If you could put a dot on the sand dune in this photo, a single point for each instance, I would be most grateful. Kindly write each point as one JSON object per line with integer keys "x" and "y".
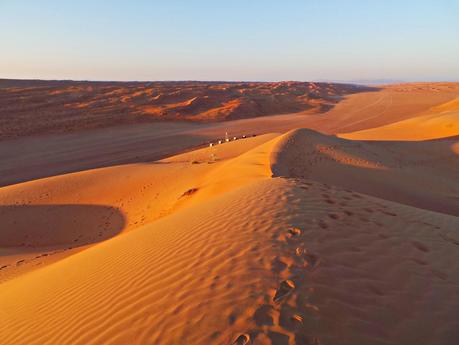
{"x": 300, "y": 238}
{"x": 74, "y": 106}
{"x": 32, "y": 157}
{"x": 392, "y": 103}
{"x": 421, "y": 174}
{"x": 439, "y": 122}
{"x": 59, "y": 215}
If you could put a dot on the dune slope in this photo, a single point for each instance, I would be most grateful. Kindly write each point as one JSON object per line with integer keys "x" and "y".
{"x": 294, "y": 259}
{"x": 421, "y": 174}
{"x": 47, "y": 219}
{"x": 439, "y": 122}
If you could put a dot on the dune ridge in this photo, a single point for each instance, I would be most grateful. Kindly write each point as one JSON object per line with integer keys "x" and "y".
{"x": 421, "y": 174}
{"x": 269, "y": 248}
{"x": 55, "y": 217}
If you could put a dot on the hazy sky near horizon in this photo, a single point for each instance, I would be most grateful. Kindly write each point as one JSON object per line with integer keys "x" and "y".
{"x": 230, "y": 40}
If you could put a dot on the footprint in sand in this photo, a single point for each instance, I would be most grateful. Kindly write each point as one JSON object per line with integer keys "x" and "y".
{"x": 285, "y": 288}
{"x": 277, "y": 265}
{"x": 297, "y": 318}
{"x": 264, "y": 315}
{"x": 311, "y": 261}
{"x": 294, "y": 232}
{"x": 242, "y": 339}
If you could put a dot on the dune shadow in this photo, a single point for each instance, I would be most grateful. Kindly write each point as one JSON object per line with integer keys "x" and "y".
{"x": 34, "y": 158}
{"x": 49, "y": 225}
{"x": 418, "y": 174}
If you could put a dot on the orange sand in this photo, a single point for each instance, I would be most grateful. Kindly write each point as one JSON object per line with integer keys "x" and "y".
{"x": 294, "y": 238}
{"x": 439, "y": 122}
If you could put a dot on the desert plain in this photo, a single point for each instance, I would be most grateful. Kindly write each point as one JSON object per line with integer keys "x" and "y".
{"x": 328, "y": 214}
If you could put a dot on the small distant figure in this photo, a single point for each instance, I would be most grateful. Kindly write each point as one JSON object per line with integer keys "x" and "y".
{"x": 226, "y": 137}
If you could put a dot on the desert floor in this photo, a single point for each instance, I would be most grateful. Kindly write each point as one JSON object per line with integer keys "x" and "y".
{"x": 331, "y": 228}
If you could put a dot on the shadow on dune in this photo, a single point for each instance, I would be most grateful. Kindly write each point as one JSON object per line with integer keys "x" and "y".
{"x": 421, "y": 174}
{"x": 34, "y": 158}
{"x": 49, "y": 225}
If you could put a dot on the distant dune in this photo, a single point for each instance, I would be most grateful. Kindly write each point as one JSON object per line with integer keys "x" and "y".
{"x": 37, "y": 107}
{"x": 437, "y": 122}
{"x": 82, "y": 147}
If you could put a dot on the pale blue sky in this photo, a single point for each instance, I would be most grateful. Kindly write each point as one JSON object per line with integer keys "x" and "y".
{"x": 230, "y": 40}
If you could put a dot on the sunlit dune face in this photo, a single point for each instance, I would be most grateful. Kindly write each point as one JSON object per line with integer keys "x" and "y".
{"x": 432, "y": 126}
{"x": 436, "y": 116}
{"x": 448, "y": 106}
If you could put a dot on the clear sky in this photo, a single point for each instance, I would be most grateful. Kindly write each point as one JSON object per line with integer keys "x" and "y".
{"x": 230, "y": 39}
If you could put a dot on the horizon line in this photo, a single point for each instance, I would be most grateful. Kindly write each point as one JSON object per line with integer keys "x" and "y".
{"x": 379, "y": 81}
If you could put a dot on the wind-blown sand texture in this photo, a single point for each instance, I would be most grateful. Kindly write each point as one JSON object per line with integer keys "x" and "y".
{"x": 284, "y": 238}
